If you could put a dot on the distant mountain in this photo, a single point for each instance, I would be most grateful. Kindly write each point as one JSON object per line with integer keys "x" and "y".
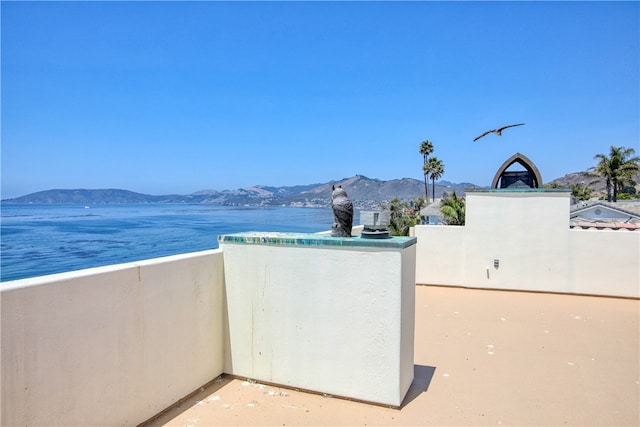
{"x": 368, "y": 192}
{"x": 595, "y": 183}
{"x": 364, "y": 191}
{"x": 89, "y": 197}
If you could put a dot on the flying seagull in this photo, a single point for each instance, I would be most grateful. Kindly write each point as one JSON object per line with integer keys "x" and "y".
{"x": 497, "y": 131}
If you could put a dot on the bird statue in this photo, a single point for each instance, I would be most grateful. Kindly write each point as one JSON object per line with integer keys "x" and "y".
{"x": 497, "y": 131}
{"x": 342, "y": 212}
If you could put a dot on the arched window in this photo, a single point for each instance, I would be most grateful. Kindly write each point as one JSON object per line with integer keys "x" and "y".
{"x": 529, "y": 178}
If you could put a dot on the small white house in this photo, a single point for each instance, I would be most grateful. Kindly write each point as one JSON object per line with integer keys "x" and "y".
{"x": 432, "y": 214}
{"x": 606, "y": 212}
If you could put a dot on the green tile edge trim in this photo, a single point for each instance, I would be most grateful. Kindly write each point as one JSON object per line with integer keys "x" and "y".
{"x": 315, "y": 240}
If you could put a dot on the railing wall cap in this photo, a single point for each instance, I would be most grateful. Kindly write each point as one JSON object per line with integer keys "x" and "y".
{"x": 315, "y": 240}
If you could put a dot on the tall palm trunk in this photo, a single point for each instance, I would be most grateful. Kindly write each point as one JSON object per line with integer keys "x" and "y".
{"x": 425, "y": 171}
{"x": 616, "y": 185}
{"x": 435, "y": 167}
{"x": 426, "y": 188}
{"x": 433, "y": 188}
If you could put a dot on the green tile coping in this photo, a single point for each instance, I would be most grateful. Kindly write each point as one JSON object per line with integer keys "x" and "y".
{"x": 315, "y": 240}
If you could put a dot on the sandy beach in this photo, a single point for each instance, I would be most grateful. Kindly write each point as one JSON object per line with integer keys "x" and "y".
{"x": 481, "y": 358}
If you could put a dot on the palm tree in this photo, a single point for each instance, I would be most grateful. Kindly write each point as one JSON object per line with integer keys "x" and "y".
{"x": 580, "y": 192}
{"x": 453, "y": 209}
{"x": 617, "y": 169}
{"x": 628, "y": 167}
{"x": 603, "y": 169}
{"x": 417, "y": 204}
{"x": 435, "y": 168}
{"x": 426, "y": 148}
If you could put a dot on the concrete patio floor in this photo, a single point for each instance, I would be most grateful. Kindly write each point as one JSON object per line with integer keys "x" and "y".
{"x": 481, "y": 358}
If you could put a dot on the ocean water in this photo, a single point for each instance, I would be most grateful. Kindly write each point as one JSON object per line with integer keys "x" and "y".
{"x": 44, "y": 239}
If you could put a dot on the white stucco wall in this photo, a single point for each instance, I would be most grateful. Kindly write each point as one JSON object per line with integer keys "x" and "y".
{"x": 332, "y": 320}
{"x": 111, "y": 345}
{"x": 528, "y": 233}
{"x": 604, "y": 262}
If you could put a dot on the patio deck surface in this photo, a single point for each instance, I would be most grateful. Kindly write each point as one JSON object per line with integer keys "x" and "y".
{"x": 481, "y": 358}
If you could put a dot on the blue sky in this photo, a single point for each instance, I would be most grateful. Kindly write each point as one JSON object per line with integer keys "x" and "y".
{"x": 171, "y": 97}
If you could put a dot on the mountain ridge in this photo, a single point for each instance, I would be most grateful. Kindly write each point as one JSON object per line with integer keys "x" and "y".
{"x": 365, "y": 192}
{"x": 362, "y": 190}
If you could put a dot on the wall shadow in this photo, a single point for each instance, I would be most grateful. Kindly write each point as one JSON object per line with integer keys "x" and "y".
{"x": 422, "y": 376}
{"x": 187, "y": 402}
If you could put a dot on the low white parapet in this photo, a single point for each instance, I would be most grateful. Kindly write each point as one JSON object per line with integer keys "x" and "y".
{"x": 326, "y": 314}
{"x": 113, "y": 345}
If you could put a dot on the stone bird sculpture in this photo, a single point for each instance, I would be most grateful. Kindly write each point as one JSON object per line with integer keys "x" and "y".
{"x": 497, "y": 131}
{"x": 342, "y": 213}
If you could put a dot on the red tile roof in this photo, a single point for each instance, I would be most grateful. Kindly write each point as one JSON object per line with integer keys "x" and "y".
{"x": 600, "y": 225}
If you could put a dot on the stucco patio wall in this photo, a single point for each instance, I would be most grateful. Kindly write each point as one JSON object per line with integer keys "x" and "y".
{"x": 521, "y": 240}
{"x": 330, "y": 315}
{"x": 111, "y": 345}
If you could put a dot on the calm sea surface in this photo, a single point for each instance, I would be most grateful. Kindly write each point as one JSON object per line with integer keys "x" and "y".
{"x": 47, "y": 239}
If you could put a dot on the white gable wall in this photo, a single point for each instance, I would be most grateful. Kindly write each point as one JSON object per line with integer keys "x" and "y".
{"x": 601, "y": 213}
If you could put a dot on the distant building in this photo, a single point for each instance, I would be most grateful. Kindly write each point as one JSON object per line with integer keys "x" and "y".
{"x": 606, "y": 215}
{"x": 432, "y": 214}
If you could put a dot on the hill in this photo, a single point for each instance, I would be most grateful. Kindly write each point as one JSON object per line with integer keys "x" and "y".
{"x": 89, "y": 197}
{"x": 364, "y": 191}
{"x": 596, "y": 184}
{"x": 368, "y": 192}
